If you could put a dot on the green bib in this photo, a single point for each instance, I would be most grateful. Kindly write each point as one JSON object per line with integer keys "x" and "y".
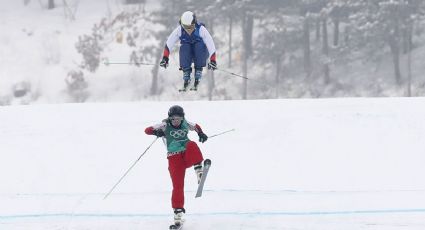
{"x": 176, "y": 137}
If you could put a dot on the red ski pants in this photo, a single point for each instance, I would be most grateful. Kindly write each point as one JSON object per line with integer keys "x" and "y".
{"x": 177, "y": 165}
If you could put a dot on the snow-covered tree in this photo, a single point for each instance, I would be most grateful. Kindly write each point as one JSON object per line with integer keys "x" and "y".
{"x": 383, "y": 23}
{"x": 280, "y": 36}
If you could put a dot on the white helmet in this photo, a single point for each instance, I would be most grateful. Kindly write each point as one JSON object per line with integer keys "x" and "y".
{"x": 188, "y": 18}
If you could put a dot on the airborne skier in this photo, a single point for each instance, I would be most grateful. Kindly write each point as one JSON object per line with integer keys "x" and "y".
{"x": 196, "y": 47}
{"x": 182, "y": 153}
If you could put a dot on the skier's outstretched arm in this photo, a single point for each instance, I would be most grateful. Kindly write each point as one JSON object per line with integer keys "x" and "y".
{"x": 197, "y": 128}
{"x": 171, "y": 41}
{"x": 208, "y": 40}
{"x": 157, "y": 130}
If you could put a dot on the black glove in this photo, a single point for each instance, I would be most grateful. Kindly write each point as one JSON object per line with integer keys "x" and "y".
{"x": 202, "y": 137}
{"x": 212, "y": 65}
{"x": 164, "y": 62}
{"x": 158, "y": 133}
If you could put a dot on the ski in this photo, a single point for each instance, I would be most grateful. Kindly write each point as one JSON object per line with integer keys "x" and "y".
{"x": 207, "y": 164}
{"x": 176, "y": 226}
{"x": 193, "y": 88}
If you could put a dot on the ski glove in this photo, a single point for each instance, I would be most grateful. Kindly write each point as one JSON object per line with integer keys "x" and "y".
{"x": 164, "y": 62}
{"x": 212, "y": 65}
{"x": 158, "y": 133}
{"x": 202, "y": 137}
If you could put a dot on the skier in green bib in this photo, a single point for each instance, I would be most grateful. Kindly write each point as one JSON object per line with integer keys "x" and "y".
{"x": 182, "y": 153}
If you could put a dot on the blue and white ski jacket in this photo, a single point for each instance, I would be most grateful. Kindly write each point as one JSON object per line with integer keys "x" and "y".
{"x": 199, "y": 34}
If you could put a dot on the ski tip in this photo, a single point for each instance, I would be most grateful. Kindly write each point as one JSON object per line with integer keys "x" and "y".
{"x": 207, "y": 162}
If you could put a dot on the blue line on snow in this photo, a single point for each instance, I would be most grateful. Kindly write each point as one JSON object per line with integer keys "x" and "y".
{"x": 282, "y": 191}
{"x": 252, "y": 214}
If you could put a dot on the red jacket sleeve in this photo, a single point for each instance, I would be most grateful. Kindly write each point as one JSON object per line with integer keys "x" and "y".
{"x": 212, "y": 58}
{"x": 166, "y": 52}
{"x": 198, "y": 128}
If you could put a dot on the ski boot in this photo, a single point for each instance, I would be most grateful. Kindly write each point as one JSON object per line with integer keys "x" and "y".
{"x": 186, "y": 78}
{"x": 198, "y": 75}
{"x": 198, "y": 171}
{"x": 178, "y": 221}
{"x": 186, "y": 84}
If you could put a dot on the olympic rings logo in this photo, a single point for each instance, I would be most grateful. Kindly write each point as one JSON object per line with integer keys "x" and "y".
{"x": 178, "y": 133}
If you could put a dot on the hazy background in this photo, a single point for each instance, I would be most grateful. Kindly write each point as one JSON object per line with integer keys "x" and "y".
{"x": 55, "y": 51}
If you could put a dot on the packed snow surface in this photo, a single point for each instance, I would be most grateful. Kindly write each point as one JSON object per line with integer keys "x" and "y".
{"x": 289, "y": 164}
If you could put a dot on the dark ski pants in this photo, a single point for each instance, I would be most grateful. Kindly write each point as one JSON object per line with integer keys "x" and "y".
{"x": 196, "y": 53}
{"x": 177, "y": 165}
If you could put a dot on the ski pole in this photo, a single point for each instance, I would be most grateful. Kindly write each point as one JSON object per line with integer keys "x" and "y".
{"x": 234, "y": 74}
{"x": 127, "y": 63}
{"x": 218, "y": 134}
{"x": 238, "y": 75}
{"x": 128, "y": 170}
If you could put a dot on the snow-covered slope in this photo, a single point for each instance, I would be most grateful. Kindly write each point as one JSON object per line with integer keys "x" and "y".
{"x": 289, "y": 164}
{"x": 37, "y": 47}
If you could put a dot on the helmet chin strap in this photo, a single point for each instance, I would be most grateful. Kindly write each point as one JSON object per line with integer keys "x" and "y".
{"x": 190, "y": 31}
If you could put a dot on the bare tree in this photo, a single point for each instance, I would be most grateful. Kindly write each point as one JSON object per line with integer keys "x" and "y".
{"x": 230, "y": 40}
{"x": 247, "y": 28}
{"x": 154, "y": 86}
{"x": 51, "y": 4}
{"x": 306, "y": 47}
{"x": 325, "y": 50}
{"x": 409, "y": 31}
{"x": 308, "y": 8}
{"x": 394, "y": 44}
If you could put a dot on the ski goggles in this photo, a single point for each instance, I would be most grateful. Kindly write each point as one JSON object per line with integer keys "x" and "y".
{"x": 176, "y": 118}
{"x": 189, "y": 27}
